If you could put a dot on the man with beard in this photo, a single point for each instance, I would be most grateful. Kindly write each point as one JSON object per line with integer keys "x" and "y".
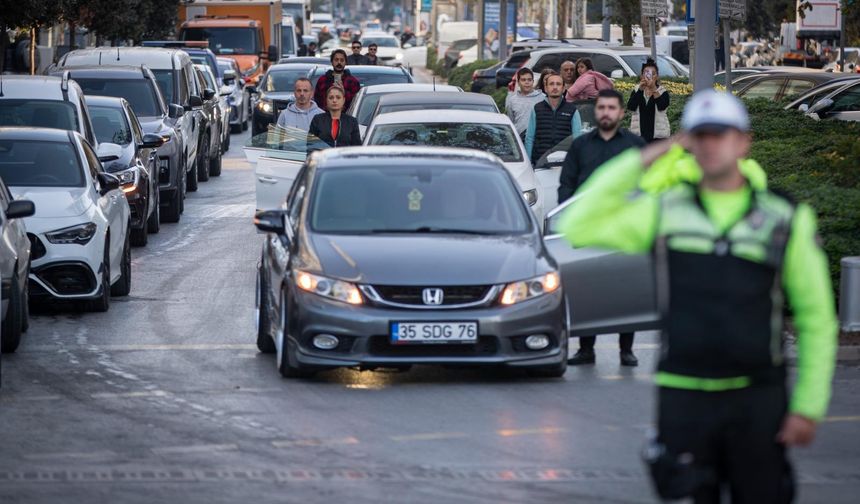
{"x": 586, "y": 154}
{"x": 552, "y": 119}
{"x": 337, "y": 75}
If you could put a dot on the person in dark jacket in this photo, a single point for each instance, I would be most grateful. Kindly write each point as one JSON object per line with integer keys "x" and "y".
{"x": 334, "y": 127}
{"x": 356, "y": 58}
{"x": 552, "y": 120}
{"x": 372, "y": 58}
{"x": 649, "y": 103}
{"x": 337, "y": 75}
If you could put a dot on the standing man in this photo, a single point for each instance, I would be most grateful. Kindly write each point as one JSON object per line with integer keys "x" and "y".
{"x": 586, "y": 153}
{"x": 299, "y": 113}
{"x": 568, "y": 74}
{"x": 340, "y": 75}
{"x": 371, "y": 57}
{"x": 520, "y": 104}
{"x": 356, "y": 58}
{"x": 407, "y": 36}
{"x": 727, "y": 252}
{"x": 552, "y": 120}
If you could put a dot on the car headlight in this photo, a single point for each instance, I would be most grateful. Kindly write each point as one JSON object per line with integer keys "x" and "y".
{"x": 80, "y": 234}
{"x": 127, "y": 179}
{"x": 166, "y": 137}
{"x": 329, "y": 288}
{"x": 398, "y": 56}
{"x": 264, "y": 106}
{"x": 530, "y": 196}
{"x": 520, "y": 291}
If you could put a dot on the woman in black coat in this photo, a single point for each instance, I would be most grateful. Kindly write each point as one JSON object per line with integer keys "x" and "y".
{"x": 334, "y": 127}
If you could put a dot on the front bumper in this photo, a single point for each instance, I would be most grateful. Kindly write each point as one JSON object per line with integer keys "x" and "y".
{"x": 169, "y": 162}
{"x": 364, "y": 334}
{"x": 137, "y": 208}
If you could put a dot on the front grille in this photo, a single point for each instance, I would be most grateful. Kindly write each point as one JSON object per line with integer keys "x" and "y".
{"x": 451, "y": 295}
{"x": 68, "y": 278}
{"x": 382, "y": 346}
{"x": 163, "y": 170}
{"x": 37, "y": 248}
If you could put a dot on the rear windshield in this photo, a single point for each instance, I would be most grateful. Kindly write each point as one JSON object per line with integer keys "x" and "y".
{"x": 380, "y": 41}
{"x": 283, "y": 80}
{"x": 498, "y": 139}
{"x": 363, "y": 200}
{"x": 165, "y": 83}
{"x": 370, "y": 78}
{"x": 431, "y": 106}
{"x": 138, "y": 92}
{"x": 28, "y": 163}
{"x": 225, "y": 40}
{"x": 39, "y": 114}
{"x": 110, "y": 125}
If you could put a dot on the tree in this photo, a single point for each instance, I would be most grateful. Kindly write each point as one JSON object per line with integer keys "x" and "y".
{"x": 29, "y": 14}
{"x": 114, "y": 20}
{"x": 626, "y": 13}
{"x": 159, "y": 18}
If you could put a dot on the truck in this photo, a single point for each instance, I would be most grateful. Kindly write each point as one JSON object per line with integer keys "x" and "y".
{"x": 300, "y": 10}
{"x": 813, "y": 36}
{"x": 248, "y": 31}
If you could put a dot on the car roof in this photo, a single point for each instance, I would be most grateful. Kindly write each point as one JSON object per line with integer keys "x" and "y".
{"x": 160, "y": 58}
{"x": 295, "y": 67}
{"x": 365, "y": 69}
{"x": 104, "y": 72}
{"x": 812, "y": 76}
{"x": 404, "y": 157}
{"x": 626, "y": 50}
{"x": 104, "y": 101}
{"x": 225, "y": 22}
{"x": 32, "y": 86}
{"x": 441, "y": 115}
{"x": 403, "y": 87}
{"x": 431, "y": 97}
{"x": 304, "y": 59}
{"x": 38, "y": 134}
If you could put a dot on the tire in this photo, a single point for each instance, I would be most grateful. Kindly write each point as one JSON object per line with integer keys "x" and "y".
{"x": 287, "y": 369}
{"x": 25, "y": 303}
{"x": 191, "y": 177}
{"x": 102, "y": 303}
{"x": 139, "y": 237}
{"x": 204, "y": 168}
{"x": 215, "y": 165}
{"x": 265, "y": 343}
{"x": 153, "y": 224}
{"x": 225, "y": 143}
{"x": 235, "y": 128}
{"x": 174, "y": 207}
{"x": 122, "y": 287}
{"x": 10, "y": 338}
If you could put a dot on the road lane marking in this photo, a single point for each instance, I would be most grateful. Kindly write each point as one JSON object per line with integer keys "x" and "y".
{"x": 842, "y": 419}
{"x": 315, "y": 442}
{"x": 529, "y": 432}
{"x": 72, "y": 455}
{"x": 430, "y": 436}
{"x": 143, "y": 393}
{"x": 42, "y": 398}
{"x": 173, "y": 450}
{"x": 152, "y": 347}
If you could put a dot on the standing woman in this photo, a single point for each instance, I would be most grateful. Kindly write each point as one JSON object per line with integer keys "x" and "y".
{"x": 334, "y": 127}
{"x": 648, "y": 103}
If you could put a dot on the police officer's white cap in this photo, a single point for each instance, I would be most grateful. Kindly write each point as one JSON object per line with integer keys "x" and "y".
{"x": 715, "y": 111}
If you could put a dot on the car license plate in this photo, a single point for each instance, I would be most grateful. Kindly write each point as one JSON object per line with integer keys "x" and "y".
{"x": 433, "y": 332}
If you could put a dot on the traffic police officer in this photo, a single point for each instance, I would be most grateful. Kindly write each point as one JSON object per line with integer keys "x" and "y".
{"x": 727, "y": 252}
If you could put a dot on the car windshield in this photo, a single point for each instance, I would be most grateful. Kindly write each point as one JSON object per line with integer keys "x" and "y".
{"x": 110, "y": 125}
{"x": 481, "y": 107}
{"x": 38, "y": 114}
{"x": 139, "y": 93}
{"x": 422, "y": 199}
{"x": 283, "y": 81}
{"x": 664, "y": 67}
{"x": 225, "y": 40}
{"x": 498, "y": 139}
{"x": 380, "y": 41}
{"x": 39, "y": 163}
{"x": 369, "y": 78}
{"x": 164, "y": 78}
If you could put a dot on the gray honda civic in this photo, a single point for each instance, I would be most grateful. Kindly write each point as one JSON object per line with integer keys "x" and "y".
{"x": 387, "y": 257}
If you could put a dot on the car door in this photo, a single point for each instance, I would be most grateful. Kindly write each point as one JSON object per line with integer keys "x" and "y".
{"x": 768, "y": 88}
{"x": 277, "y": 158}
{"x": 15, "y": 236}
{"x": 114, "y": 208}
{"x": 145, "y": 158}
{"x": 190, "y": 126}
{"x": 606, "y": 291}
{"x": 846, "y": 104}
{"x": 548, "y": 172}
{"x": 279, "y": 249}
{"x": 8, "y": 251}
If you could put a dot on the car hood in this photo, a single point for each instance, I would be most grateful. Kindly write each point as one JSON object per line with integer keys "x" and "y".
{"x": 52, "y": 202}
{"x": 425, "y": 260}
{"x": 126, "y": 160}
{"x": 523, "y": 174}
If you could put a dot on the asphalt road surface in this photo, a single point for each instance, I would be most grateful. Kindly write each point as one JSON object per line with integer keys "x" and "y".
{"x": 165, "y": 399}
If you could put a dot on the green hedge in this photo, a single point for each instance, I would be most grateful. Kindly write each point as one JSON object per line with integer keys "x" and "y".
{"x": 462, "y": 75}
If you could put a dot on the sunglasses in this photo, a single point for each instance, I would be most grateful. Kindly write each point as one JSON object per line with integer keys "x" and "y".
{"x": 372, "y": 49}
{"x": 356, "y": 47}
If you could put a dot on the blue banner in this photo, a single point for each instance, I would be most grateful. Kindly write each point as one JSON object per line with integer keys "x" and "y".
{"x": 490, "y": 41}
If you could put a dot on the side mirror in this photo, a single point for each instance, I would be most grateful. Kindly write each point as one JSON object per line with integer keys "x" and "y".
{"x": 556, "y": 158}
{"x": 408, "y": 46}
{"x": 175, "y": 111}
{"x": 152, "y": 141}
{"x": 18, "y": 209}
{"x": 229, "y": 77}
{"x": 208, "y": 94}
{"x": 803, "y": 108}
{"x": 194, "y": 102}
{"x": 617, "y": 74}
{"x": 271, "y": 221}
{"x": 272, "y": 53}
{"x": 821, "y": 107}
{"x": 108, "y": 152}
{"x": 108, "y": 183}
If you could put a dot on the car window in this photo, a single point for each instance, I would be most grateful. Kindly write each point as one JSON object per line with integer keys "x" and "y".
{"x": 40, "y": 163}
{"x": 283, "y": 81}
{"x": 139, "y": 93}
{"x": 813, "y": 97}
{"x": 38, "y": 114}
{"x": 605, "y": 64}
{"x": 110, "y": 125}
{"x": 93, "y": 163}
{"x": 767, "y": 88}
{"x": 186, "y": 86}
{"x": 366, "y": 108}
{"x": 136, "y": 129}
{"x": 208, "y": 80}
{"x": 164, "y": 78}
{"x": 796, "y": 87}
{"x": 296, "y": 199}
{"x": 498, "y": 139}
{"x": 848, "y": 100}
{"x": 517, "y": 59}
{"x": 361, "y": 199}
{"x": 85, "y": 118}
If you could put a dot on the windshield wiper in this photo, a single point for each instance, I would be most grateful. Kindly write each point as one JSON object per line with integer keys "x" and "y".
{"x": 433, "y": 230}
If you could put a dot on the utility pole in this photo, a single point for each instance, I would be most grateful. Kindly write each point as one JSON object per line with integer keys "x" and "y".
{"x": 503, "y": 30}
{"x": 606, "y": 34}
{"x": 706, "y": 23}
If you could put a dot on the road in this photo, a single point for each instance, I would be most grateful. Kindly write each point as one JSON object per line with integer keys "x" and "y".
{"x": 165, "y": 399}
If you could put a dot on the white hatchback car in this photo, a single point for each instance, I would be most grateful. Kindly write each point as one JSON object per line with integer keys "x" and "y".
{"x": 484, "y": 131}
{"x": 80, "y": 232}
{"x": 388, "y": 48}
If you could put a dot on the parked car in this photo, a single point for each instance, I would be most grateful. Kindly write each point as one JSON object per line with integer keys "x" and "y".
{"x": 388, "y": 50}
{"x": 213, "y": 132}
{"x": 238, "y": 99}
{"x": 79, "y": 234}
{"x": 174, "y": 72}
{"x": 138, "y": 85}
{"x": 198, "y": 51}
{"x": 45, "y": 102}
{"x": 484, "y": 131}
{"x": 521, "y": 51}
{"x": 499, "y": 304}
{"x": 401, "y": 102}
{"x": 614, "y": 62}
{"x": 14, "y": 265}
{"x": 367, "y": 75}
{"x": 778, "y": 85}
{"x": 835, "y": 100}
{"x": 485, "y": 77}
{"x": 456, "y": 52}
{"x": 364, "y": 102}
{"x": 137, "y": 167}
{"x": 275, "y": 92}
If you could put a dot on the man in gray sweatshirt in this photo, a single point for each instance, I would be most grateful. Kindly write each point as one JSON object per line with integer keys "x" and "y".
{"x": 520, "y": 104}
{"x": 299, "y": 113}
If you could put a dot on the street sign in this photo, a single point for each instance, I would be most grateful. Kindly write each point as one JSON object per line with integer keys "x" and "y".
{"x": 734, "y": 10}
{"x": 654, "y": 8}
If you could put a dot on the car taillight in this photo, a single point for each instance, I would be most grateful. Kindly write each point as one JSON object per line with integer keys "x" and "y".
{"x": 475, "y": 75}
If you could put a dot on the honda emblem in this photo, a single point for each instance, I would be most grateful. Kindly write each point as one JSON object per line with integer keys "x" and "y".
{"x": 433, "y": 296}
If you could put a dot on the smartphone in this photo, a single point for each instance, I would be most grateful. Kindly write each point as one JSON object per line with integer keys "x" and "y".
{"x": 649, "y": 74}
